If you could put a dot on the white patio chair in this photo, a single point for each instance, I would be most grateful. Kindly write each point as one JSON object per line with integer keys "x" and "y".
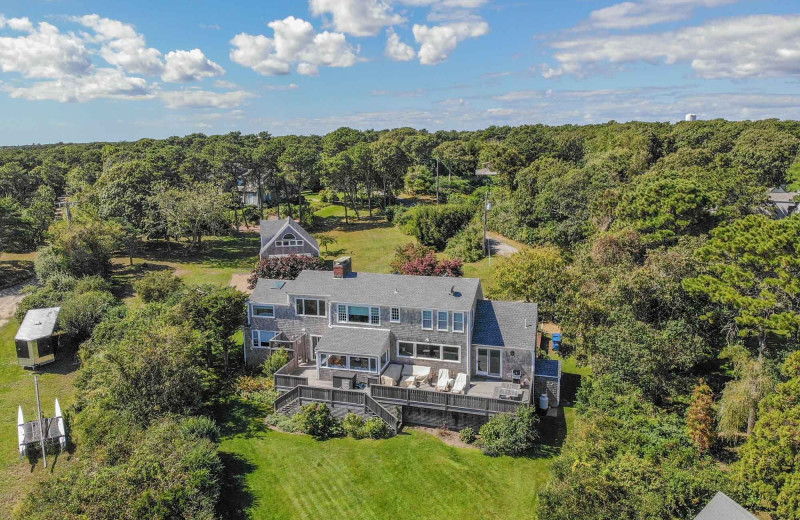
{"x": 460, "y": 384}
{"x": 443, "y": 382}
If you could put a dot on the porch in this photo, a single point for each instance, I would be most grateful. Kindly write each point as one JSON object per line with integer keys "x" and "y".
{"x": 481, "y": 395}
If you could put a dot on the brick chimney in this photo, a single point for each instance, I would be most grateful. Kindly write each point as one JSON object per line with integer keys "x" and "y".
{"x": 342, "y": 267}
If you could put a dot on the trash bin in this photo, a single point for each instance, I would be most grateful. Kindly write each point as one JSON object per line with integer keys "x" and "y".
{"x": 544, "y": 402}
{"x": 556, "y": 341}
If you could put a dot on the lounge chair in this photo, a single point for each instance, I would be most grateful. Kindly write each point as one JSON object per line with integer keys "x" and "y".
{"x": 460, "y": 384}
{"x": 413, "y": 374}
{"x": 443, "y": 382}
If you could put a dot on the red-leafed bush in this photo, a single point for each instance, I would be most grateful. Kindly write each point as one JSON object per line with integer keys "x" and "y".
{"x": 284, "y": 267}
{"x": 428, "y": 265}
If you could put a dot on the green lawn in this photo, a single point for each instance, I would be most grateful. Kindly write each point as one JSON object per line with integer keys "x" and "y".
{"x": 412, "y": 476}
{"x": 16, "y": 388}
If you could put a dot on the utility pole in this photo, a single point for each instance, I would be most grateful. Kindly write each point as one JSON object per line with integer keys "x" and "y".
{"x": 485, "y": 206}
{"x": 39, "y": 412}
{"x": 437, "y": 181}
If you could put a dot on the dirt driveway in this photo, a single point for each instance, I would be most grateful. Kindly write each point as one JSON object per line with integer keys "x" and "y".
{"x": 9, "y": 299}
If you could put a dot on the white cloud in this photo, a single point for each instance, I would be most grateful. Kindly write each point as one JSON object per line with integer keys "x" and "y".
{"x": 204, "y": 99}
{"x": 742, "y": 47}
{"x": 186, "y": 66}
{"x": 221, "y": 83}
{"x": 357, "y": 17}
{"x": 290, "y": 86}
{"x": 123, "y": 46}
{"x": 628, "y": 15}
{"x": 44, "y": 52}
{"x": 294, "y": 42}
{"x": 102, "y": 83}
{"x": 464, "y": 4}
{"x": 439, "y": 41}
{"x": 397, "y": 50}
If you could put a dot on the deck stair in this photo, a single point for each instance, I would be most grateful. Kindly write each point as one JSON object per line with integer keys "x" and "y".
{"x": 341, "y": 402}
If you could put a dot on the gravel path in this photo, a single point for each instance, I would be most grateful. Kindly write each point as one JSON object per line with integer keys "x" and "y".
{"x": 499, "y": 247}
{"x": 9, "y": 298}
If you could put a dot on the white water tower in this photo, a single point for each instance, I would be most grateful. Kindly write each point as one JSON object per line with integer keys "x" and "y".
{"x": 691, "y": 117}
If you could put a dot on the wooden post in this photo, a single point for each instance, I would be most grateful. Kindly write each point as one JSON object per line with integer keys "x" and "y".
{"x": 39, "y": 411}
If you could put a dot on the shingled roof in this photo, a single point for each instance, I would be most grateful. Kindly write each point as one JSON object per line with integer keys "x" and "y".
{"x": 355, "y": 341}
{"x": 505, "y": 324}
{"x": 722, "y": 507}
{"x": 270, "y": 228}
{"x": 388, "y": 290}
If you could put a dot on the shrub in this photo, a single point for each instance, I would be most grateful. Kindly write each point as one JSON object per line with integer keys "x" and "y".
{"x": 408, "y": 252}
{"x": 375, "y": 428}
{"x": 284, "y": 267}
{"x": 430, "y": 266}
{"x": 82, "y": 312}
{"x": 283, "y": 422}
{"x": 258, "y": 390}
{"x": 435, "y": 225}
{"x": 467, "y": 435}
{"x": 394, "y": 214}
{"x": 353, "y": 425}
{"x": 315, "y": 419}
{"x": 157, "y": 286}
{"x": 467, "y": 244}
{"x": 200, "y": 427}
{"x": 328, "y": 195}
{"x": 510, "y": 434}
{"x": 418, "y": 180}
{"x": 275, "y": 361}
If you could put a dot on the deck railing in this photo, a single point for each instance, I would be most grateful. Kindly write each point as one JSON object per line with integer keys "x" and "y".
{"x": 283, "y": 377}
{"x": 339, "y": 396}
{"x": 442, "y": 400}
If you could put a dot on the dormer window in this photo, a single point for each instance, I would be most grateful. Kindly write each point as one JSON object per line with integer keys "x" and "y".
{"x": 288, "y": 240}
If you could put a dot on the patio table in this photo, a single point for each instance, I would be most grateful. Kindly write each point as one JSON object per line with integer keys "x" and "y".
{"x": 509, "y": 390}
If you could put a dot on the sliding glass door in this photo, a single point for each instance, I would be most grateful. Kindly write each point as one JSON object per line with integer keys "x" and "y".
{"x": 489, "y": 363}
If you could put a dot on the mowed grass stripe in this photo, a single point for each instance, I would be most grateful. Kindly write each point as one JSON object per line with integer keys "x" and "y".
{"x": 411, "y": 476}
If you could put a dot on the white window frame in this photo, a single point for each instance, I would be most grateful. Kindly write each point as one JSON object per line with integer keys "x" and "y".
{"x": 413, "y": 349}
{"x": 463, "y": 319}
{"x": 391, "y": 315}
{"x": 261, "y": 306}
{"x": 489, "y": 361}
{"x": 371, "y": 313}
{"x": 446, "y": 321}
{"x": 372, "y": 361}
{"x": 258, "y": 332}
{"x": 425, "y": 358}
{"x": 422, "y": 320}
{"x": 289, "y": 242}
{"x": 321, "y": 304}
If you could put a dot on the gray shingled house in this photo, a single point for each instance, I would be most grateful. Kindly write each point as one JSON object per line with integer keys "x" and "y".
{"x": 286, "y": 237}
{"x": 432, "y": 347}
{"x": 782, "y": 202}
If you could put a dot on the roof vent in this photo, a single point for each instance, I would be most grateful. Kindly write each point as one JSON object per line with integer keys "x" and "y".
{"x": 395, "y": 290}
{"x": 452, "y": 290}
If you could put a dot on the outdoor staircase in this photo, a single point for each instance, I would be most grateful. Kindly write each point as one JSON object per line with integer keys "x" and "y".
{"x": 340, "y": 402}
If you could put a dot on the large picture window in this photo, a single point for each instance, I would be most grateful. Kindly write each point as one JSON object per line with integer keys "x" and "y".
{"x": 429, "y": 351}
{"x": 309, "y": 307}
{"x": 357, "y": 363}
{"x": 405, "y": 349}
{"x": 261, "y": 338}
{"x": 358, "y": 314}
{"x": 264, "y": 311}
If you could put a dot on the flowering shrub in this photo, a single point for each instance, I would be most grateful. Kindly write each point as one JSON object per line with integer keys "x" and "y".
{"x": 284, "y": 267}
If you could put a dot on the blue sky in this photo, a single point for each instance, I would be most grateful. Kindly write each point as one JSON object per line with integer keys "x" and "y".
{"x": 78, "y": 71}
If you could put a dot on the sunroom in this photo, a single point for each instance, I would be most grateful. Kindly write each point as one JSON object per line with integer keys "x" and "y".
{"x": 354, "y": 355}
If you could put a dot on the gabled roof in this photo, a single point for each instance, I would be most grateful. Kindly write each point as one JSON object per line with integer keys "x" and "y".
{"x": 722, "y": 507}
{"x": 272, "y": 229}
{"x": 505, "y": 324}
{"x": 38, "y": 323}
{"x": 398, "y": 290}
{"x": 355, "y": 341}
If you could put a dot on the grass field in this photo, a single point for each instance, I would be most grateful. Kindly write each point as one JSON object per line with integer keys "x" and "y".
{"x": 412, "y": 476}
{"x": 16, "y": 388}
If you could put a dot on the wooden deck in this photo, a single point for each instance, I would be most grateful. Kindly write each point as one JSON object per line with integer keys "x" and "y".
{"x": 478, "y": 387}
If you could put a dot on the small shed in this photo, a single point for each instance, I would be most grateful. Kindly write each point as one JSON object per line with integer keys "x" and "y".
{"x": 34, "y": 340}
